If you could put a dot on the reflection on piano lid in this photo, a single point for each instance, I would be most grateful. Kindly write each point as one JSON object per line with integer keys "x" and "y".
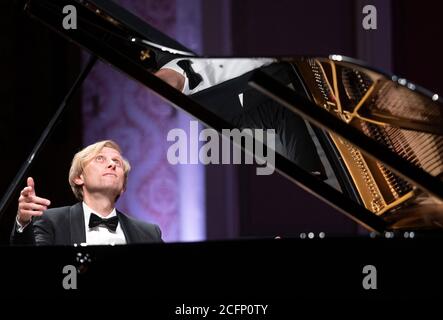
{"x": 390, "y": 113}
{"x": 393, "y": 114}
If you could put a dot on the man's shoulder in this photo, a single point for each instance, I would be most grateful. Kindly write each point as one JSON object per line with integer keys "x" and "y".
{"x": 149, "y": 232}
{"x": 58, "y": 212}
{"x": 138, "y": 223}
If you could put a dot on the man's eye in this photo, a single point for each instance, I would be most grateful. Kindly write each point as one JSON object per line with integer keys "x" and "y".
{"x": 118, "y": 163}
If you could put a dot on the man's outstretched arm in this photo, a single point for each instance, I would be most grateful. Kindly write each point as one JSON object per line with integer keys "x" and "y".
{"x": 30, "y": 206}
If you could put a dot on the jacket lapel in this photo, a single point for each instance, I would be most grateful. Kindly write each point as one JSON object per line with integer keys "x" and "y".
{"x": 127, "y": 227}
{"x": 77, "y": 224}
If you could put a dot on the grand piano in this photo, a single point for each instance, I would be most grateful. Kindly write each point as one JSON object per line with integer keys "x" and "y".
{"x": 379, "y": 139}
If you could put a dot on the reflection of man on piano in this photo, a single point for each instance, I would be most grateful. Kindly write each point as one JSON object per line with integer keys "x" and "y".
{"x": 222, "y": 86}
{"x": 98, "y": 176}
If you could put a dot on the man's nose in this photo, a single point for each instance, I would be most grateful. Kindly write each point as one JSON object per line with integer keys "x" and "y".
{"x": 112, "y": 164}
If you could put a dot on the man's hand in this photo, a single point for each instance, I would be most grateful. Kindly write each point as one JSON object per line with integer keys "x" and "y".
{"x": 29, "y": 204}
{"x": 173, "y": 78}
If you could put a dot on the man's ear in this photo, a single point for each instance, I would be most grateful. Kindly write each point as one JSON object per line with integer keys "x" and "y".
{"x": 79, "y": 180}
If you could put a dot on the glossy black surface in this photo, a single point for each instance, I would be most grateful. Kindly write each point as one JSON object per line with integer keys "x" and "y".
{"x": 118, "y": 37}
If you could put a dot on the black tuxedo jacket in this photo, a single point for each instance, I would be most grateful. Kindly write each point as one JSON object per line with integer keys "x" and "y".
{"x": 66, "y": 226}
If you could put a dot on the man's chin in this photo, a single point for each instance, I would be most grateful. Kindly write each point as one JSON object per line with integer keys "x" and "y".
{"x": 112, "y": 190}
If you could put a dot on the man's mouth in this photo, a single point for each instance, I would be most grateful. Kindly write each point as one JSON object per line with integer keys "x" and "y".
{"x": 110, "y": 174}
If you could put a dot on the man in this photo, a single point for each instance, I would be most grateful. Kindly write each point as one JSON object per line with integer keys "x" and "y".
{"x": 98, "y": 176}
{"x": 222, "y": 85}
{"x": 193, "y": 75}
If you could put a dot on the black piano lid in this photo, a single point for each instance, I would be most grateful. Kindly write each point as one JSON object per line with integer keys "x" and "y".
{"x": 109, "y": 8}
{"x": 110, "y": 40}
{"x": 135, "y": 23}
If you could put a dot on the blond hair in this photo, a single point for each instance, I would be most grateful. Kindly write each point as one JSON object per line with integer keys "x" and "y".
{"x": 82, "y": 157}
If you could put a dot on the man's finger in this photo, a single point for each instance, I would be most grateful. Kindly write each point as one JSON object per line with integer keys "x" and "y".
{"x": 33, "y": 213}
{"x": 33, "y": 206}
{"x": 30, "y": 183}
{"x": 25, "y": 192}
{"x": 38, "y": 200}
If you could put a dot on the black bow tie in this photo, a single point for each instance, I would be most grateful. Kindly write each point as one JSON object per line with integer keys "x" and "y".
{"x": 110, "y": 223}
{"x": 193, "y": 77}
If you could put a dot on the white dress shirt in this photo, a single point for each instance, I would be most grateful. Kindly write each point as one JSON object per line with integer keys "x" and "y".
{"x": 217, "y": 70}
{"x": 102, "y": 235}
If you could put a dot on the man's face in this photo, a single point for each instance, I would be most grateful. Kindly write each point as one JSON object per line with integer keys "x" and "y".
{"x": 103, "y": 174}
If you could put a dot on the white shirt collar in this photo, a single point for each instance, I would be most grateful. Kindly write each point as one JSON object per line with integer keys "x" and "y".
{"x": 87, "y": 212}
{"x": 102, "y": 236}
